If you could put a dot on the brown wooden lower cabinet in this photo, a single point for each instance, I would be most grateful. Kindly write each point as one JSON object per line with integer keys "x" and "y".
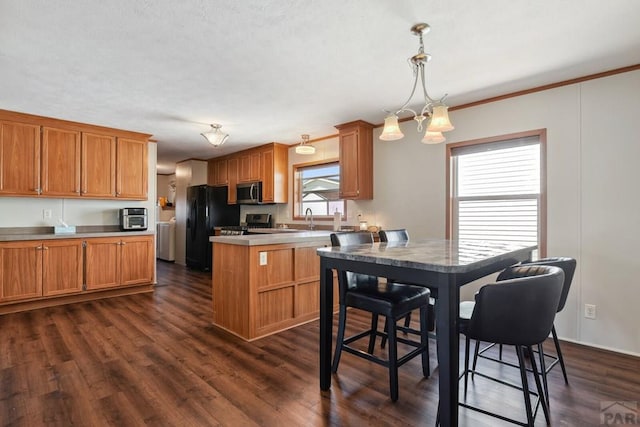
{"x": 33, "y": 269}
{"x": 118, "y": 261}
{"x": 260, "y": 290}
{"x": 36, "y": 272}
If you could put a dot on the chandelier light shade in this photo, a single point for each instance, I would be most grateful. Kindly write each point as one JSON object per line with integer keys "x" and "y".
{"x": 304, "y": 147}
{"x": 440, "y": 120}
{"x": 435, "y": 109}
{"x": 215, "y": 136}
{"x": 433, "y": 137}
{"x": 391, "y": 130}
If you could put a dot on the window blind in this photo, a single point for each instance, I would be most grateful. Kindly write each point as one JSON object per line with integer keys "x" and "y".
{"x": 496, "y": 191}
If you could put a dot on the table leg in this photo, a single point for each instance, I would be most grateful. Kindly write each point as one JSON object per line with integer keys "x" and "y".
{"x": 448, "y": 348}
{"x": 326, "y": 324}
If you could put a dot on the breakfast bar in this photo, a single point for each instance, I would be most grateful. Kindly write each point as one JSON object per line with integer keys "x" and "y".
{"x": 442, "y": 265}
{"x": 265, "y": 283}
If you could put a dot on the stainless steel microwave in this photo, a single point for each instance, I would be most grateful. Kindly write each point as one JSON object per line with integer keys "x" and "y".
{"x": 249, "y": 193}
{"x": 133, "y": 219}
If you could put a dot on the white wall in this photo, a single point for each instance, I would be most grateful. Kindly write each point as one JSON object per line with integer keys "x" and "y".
{"x": 593, "y": 147}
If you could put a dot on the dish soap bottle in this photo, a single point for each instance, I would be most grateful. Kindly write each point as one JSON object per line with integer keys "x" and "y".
{"x": 337, "y": 217}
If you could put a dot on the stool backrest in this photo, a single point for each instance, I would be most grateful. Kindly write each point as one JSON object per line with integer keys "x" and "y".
{"x": 347, "y": 279}
{"x": 568, "y": 265}
{"x": 399, "y": 235}
{"x": 519, "y": 310}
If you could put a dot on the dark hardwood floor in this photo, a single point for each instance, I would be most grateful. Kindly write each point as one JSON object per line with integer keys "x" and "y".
{"x": 155, "y": 359}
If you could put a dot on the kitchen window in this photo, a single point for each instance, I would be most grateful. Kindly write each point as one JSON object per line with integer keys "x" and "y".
{"x": 317, "y": 186}
{"x": 496, "y": 189}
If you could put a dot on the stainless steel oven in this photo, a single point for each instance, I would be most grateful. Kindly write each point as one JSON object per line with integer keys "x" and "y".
{"x": 133, "y": 219}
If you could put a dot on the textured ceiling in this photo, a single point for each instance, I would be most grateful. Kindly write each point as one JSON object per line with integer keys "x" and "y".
{"x": 270, "y": 70}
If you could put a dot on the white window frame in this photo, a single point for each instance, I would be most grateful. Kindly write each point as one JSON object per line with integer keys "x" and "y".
{"x": 452, "y": 199}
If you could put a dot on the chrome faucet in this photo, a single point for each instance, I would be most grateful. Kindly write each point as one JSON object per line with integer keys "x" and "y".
{"x": 308, "y": 214}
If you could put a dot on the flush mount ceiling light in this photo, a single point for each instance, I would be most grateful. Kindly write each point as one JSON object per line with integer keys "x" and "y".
{"x": 215, "y": 136}
{"x": 434, "y": 109}
{"x": 304, "y": 147}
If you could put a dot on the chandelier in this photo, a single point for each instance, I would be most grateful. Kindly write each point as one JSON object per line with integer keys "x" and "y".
{"x": 434, "y": 109}
{"x": 215, "y": 136}
{"x": 304, "y": 147}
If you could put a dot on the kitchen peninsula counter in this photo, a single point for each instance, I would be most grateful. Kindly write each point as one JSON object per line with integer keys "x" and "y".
{"x": 274, "y": 236}
{"x": 266, "y": 283}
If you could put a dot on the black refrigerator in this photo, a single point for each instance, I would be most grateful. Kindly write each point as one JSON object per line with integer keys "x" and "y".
{"x": 207, "y": 208}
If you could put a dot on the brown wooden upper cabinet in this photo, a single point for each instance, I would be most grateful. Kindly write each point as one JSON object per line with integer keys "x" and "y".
{"x": 46, "y": 157}
{"x": 274, "y": 177}
{"x": 19, "y": 159}
{"x": 60, "y": 162}
{"x": 250, "y": 167}
{"x": 232, "y": 173}
{"x": 217, "y": 172}
{"x": 356, "y": 160}
{"x": 131, "y": 169}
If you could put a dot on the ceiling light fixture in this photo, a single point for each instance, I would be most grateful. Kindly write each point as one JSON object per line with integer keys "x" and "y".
{"x": 304, "y": 147}
{"x": 434, "y": 109}
{"x": 215, "y": 136}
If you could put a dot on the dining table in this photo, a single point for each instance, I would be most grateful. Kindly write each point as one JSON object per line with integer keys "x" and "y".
{"x": 439, "y": 264}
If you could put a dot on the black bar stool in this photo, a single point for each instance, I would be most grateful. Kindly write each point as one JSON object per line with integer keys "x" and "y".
{"x": 391, "y": 300}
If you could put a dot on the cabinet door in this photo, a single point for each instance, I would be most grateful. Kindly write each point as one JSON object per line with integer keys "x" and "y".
{"x": 136, "y": 260}
{"x": 102, "y": 263}
{"x": 98, "y": 166}
{"x": 222, "y": 177}
{"x": 250, "y": 168}
{"x": 256, "y": 166}
{"x": 61, "y": 267}
{"x": 131, "y": 169}
{"x": 232, "y": 175}
{"x": 267, "y": 176}
{"x": 349, "y": 177}
{"x": 20, "y": 270}
{"x": 19, "y": 158}
{"x": 60, "y": 162}
{"x": 211, "y": 172}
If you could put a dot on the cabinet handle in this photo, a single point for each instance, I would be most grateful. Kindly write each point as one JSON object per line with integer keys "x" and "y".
{"x": 46, "y": 248}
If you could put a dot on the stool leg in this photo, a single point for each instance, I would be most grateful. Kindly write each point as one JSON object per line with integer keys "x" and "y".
{"x": 383, "y": 340}
{"x": 467, "y": 343}
{"x": 407, "y": 321}
{"x": 475, "y": 358}
{"x": 543, "y": 372}
{"x": 374, "y": 330}
{"x": 342, "y": 320}
{"x": 559, "y": 353}
{"x": 393, "y": 360}
{"x": 525, "y": 385}
{"x": 541, "y": 392}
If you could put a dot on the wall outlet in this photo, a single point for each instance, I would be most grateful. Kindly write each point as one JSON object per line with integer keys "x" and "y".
{"x": 263, "y": 258}
{"x": 590, "y": 311}
{"x": 46, "y": 213}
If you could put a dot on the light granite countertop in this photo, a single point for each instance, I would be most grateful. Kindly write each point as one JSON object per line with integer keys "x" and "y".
{"x": 274, "y": 238}
{"x": 11, "y": 234}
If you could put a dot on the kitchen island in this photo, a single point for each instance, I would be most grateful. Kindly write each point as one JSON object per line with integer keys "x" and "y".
{"x": 266, "y": 283}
